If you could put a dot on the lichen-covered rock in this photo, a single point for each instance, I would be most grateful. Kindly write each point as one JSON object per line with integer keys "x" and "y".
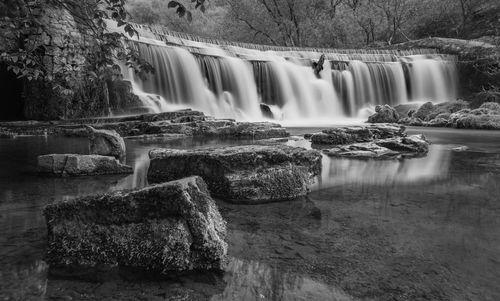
{"x": 438, "y": 122}
{"x": 384, "y": 114}
{"x": 356, "y": 134}
{"x": 411, "y": 121}
{"x": 429, "y": 111}
{"x": 80, "y": 165}
{"x": 391, "y": 148}
{"x": 367, "y": 150}
{"x": 415, "y": 144}
{"x": 252, "y": 173}
{"x": 492, "y": 107}
{"x": 487, "y": 116}
{"x": 424, "y": 111}
{"x": 106, "y": 143}
{"x": 173, "y": 226}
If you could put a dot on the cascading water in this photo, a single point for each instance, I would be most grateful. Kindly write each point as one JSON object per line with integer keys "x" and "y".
{"x": 232, "y": 80}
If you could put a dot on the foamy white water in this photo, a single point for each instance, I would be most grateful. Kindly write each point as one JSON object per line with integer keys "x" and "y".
{"x": 233, "y": 81}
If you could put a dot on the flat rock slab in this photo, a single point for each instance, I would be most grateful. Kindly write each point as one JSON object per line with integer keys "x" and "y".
{"x": 247, "y": 174}
{"x": 357, "y": 134}
{"x": 183, "y": 122}
{"x": 391, "y": 148}
{"x": 173, "y": 226}
{"x": 81, "y": 165}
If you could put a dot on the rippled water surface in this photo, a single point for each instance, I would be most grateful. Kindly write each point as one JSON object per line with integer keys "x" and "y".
{"x": 419, "y": 229}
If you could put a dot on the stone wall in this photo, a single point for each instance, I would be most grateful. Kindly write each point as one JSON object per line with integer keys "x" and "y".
{"x": 65, "y": 47}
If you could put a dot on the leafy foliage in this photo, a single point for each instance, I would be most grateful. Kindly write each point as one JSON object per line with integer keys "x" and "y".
{"x": 26, "y": 59}
{"x": 183, "y": 11}
{"x": 326, "y": 23}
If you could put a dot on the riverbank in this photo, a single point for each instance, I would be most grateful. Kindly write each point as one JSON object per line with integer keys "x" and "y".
{"x": 454, "y": 114}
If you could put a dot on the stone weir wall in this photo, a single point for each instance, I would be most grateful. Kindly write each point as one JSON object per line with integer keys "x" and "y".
{"x": 64, "y": 45}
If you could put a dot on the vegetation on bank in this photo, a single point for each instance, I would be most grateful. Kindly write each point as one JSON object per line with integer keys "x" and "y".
{"x": 25, "y": 57}
{"x": 326, "y": 23}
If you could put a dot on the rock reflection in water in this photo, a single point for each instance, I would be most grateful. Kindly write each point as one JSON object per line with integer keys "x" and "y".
{"x": 251, "y": 280}
{"x": 24, "y": 282}
{"x": 433, "y": 167}
{"x": 139, "y": 178}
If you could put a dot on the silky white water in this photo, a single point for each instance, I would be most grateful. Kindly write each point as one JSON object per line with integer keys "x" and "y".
{"x": 233, "y": 81}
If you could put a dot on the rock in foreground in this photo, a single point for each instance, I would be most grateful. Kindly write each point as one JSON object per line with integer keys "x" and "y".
{"x": 80, "y": 165}
{"x": 249, "y": 174}
{"x": 174, "y": 226}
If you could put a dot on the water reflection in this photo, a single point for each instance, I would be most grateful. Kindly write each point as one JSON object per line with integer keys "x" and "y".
{"x": 24, "y": 282}
{"x": 433, "y": 167}
{"x": 252, "y": 280}
{"x": 443, "y": 208}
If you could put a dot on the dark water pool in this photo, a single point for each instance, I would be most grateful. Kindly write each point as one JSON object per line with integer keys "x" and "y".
{"x": 420, "y": 229}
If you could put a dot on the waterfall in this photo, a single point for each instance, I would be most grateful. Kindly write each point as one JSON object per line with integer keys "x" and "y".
{"x": 231, "y": 80}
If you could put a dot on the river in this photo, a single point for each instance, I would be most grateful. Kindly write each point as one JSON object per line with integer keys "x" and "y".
{"x": 419, "y": 229}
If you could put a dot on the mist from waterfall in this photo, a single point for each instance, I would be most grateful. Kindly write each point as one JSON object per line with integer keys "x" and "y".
{"x": 230, "y": 81}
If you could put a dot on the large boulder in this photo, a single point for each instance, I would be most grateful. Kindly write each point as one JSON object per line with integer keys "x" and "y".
{"x": 106, "y": 143}
{"x": 384, "y": 114}
{"x": 173, "y": 226}
{"x": 391, "y": 148}
{"x": 249, "y": 174}
{"x": 357, "y": 134}
{"x": 424, "y": 111}
{"x": 80, "y": 165}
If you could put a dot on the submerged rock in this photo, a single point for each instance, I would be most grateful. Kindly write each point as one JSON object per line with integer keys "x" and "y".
{"x": 357, "y": 134}
{"x": 252, "y": 173}
{"x": 106, "y": 143}
{"x": 173, "y": 226}
{"x": 384, "y": 114}
{"x": 80, "y": 165}
{"x": 391, "y": 148}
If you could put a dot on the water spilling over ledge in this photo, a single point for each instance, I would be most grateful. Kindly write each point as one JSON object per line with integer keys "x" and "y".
{"x": 227, "y": 79}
